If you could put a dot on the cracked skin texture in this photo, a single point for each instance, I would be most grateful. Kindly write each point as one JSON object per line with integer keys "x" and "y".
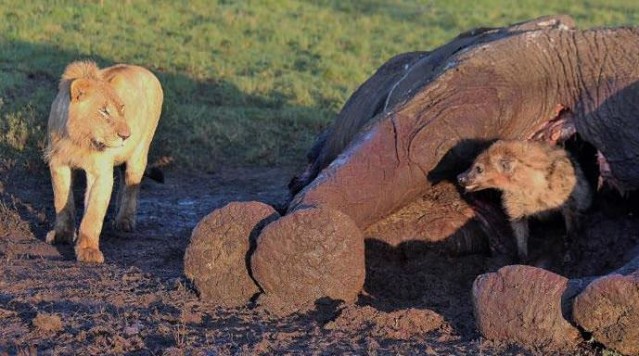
{"x": 308, "y": 255}
{"x": 609, "y": 309}
{"x": 216, "y": 258}
{"x": 523, "y": 304}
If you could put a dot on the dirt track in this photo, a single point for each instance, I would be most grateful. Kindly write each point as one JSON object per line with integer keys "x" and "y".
{"x": 139, "y": 301}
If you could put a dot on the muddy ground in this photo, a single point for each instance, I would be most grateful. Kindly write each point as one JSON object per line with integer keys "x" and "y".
{"x": 139, "y": 302}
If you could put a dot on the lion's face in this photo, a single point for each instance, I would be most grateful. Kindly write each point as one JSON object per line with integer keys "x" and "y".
{"x": 96, "y": 115}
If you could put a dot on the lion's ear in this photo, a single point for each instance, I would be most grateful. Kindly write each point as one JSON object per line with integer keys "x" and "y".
{"x": 79, "y": 88}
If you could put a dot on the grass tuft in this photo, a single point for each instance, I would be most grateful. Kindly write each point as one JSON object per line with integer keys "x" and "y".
{"x": 245, "y": 82}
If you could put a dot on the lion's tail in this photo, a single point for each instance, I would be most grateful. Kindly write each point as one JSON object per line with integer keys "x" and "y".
{"x": 154, "y": 173}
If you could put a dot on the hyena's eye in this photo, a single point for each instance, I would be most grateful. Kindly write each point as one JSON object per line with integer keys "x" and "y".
{"x": 479, "y": 169}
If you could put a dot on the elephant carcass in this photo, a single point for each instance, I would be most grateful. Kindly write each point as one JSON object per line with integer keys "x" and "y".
{"x": 396, "y": 139}
{"x": 384, "y": 166}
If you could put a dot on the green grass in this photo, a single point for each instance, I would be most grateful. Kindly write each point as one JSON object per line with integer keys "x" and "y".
{"x": 246, "y": 82}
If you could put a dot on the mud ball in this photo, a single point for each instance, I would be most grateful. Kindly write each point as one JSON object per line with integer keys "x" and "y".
{"x": 609, "y": 309}
{"x": 523, "y": 304}
{"x": 221, "y": 243}
{"x": 307, "y": 256}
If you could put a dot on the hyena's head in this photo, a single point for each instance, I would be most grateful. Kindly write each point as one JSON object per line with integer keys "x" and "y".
{"x": 493, "y": 168}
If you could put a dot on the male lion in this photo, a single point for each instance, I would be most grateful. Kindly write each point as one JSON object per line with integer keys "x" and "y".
{"x": 98, "y": 120}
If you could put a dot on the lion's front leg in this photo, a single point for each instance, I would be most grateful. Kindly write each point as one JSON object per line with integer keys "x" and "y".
{"x": 128, "y": 196}
{"x": 96, "y": 202}
{"x": 61, "y": 180}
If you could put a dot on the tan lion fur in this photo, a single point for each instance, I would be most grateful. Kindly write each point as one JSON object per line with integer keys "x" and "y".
{"x": 100, "y": 118}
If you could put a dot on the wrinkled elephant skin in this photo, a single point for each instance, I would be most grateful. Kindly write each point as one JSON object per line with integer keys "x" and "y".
{"x": 506, "y": 84}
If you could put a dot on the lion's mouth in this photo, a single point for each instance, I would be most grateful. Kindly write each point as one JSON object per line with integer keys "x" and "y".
{"x": 101, "y": 145}
{"x": 98, "y": 145}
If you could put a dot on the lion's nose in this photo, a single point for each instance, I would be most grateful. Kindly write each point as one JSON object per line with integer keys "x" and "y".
{"x": 124, "y": 133}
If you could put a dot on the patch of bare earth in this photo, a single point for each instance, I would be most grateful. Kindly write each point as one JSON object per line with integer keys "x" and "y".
{"x": 139, "y": 300}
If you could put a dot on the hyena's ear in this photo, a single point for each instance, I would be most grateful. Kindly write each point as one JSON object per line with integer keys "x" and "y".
{"x": 79, "y": 89}
{"x": 506, "y": 164}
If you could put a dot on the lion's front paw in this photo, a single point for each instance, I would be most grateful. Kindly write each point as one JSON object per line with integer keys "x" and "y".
{"x": 57, "y": 237}
{"x": 126, "y": 224}
{"x": 89, "y": 254}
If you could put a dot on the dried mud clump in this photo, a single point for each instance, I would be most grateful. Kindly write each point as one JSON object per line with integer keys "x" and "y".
{"x": 47, "y": 322}
{"x": 399, "y": 324}
{"x": 609, "y": 309}
{"x": 307, "y": 255}
{"x": 216, "y": 258}
{"x": 523, "y": 304}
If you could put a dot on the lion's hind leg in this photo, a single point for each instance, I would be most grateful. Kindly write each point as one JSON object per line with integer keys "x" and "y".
{"x": 125, "y": 219}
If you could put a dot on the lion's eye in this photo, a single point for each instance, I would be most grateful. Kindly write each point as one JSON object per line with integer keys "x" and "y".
{"x": 104, "y": 112}
{"x": 479, "y": 169}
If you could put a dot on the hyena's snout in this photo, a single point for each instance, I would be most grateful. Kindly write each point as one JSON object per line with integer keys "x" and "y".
{"x": 464, "y": 178}
{"x": 469, "y": 181}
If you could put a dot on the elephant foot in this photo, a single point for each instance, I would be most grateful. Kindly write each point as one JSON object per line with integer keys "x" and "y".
{"x": 307, "y": 256}
{"x": 609, "y": 309}
{"x": 221, "y": 243}
{"x": 524, "y": 304}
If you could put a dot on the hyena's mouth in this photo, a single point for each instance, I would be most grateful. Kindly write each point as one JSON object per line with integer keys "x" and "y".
{"x": 470, "y": 187}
